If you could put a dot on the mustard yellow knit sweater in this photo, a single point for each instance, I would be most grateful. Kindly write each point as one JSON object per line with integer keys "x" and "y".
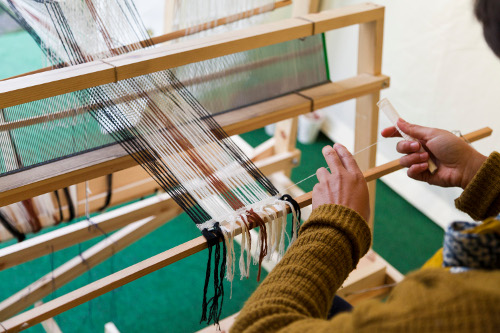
{"x": 297, "y": 294}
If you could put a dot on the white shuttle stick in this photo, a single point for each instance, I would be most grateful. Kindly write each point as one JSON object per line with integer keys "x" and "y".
{"x": 393, "y": 116}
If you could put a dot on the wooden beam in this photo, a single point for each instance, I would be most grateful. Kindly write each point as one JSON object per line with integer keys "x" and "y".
{"x": 82, "y": 263}
{"x": 52, "y": 176}
{"x": 65, "y": 80}
{"x": 78, "y": 232}
{"x": 49, "y": 325}
{"x": 366, "y": 125}
{"x": 341, "y": 91}
{"x": 345, "y": 16}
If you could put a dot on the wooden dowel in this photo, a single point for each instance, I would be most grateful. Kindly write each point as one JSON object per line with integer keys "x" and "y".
{"x": 52, "y": 83}
{"x": 134, "y": 272}
{"x": 189, "y": 31}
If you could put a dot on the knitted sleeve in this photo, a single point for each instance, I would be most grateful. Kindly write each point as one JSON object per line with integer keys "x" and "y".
{"x": 302, "y": 286}
{"x": 481, "y": 198}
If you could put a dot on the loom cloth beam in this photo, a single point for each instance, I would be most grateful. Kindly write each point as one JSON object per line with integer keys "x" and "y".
{"x": 131, "y": 273}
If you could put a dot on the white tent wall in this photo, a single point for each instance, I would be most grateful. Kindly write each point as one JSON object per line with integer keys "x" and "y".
{"x": 442, "y": 75}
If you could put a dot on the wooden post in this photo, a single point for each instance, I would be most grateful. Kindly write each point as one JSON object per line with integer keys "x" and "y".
{"x": 302, "y": 7}
{"x": 366, "y": 128}
{"x": 285, "y": 139}
{"x": 168, "y": 17}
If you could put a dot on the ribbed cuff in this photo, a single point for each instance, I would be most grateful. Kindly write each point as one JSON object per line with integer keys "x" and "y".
{"x": 345, "y": 220}
{"x": 481, "y": 197}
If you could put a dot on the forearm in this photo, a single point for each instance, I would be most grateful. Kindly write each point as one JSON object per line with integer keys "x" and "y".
{"x": 481, "y": 197}
{"x": 303, "y": 284}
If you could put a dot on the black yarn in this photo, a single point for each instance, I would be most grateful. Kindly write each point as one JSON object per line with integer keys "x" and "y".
{"x": 11, "y": 228}
{"x": 109, "y": 183}
{"x": 58, "y": 199}
{"x": 71, "y": 207}
{"x": 295, "y": 205}
{"x": 214, "y": 238}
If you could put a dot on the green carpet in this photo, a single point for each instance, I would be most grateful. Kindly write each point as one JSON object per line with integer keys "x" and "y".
{"x": 169, "y": 300}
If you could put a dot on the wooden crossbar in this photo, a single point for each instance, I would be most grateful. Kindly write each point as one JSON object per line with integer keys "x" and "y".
{"x": 134, "y": 272}
{"x": 65, "y": 80}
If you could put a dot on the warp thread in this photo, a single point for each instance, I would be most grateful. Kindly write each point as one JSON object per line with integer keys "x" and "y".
{"x": 214, "y": 304}
{"x": 296, "y": 208}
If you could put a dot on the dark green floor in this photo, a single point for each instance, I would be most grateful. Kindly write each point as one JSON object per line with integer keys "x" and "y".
{"x": 170, "y": 300}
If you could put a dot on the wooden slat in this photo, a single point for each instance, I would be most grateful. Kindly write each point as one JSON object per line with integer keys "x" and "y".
{"x": 77, "y": 169}
{"x": 341, "y": 91}
{"x": 78, "y": 232}
{"x": 345, "y": 16}
{"x": 56, "y": 82}
{"x": 43, "y": 85}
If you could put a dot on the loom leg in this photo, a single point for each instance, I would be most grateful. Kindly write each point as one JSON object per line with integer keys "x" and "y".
{"x": 285, "y": 138}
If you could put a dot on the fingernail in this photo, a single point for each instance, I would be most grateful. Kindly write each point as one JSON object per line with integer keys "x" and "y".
{"x": 414, "y": 145}
{"x": 402, "y": 120}
{"x": 423, "y": 156}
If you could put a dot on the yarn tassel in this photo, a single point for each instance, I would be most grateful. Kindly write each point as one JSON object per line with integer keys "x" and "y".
{"x": 212, "y": 308}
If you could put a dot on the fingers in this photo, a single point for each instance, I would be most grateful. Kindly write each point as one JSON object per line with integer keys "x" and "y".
{"x": 407, "y": 147}
{"x": 417, "y": 171}
{"x": 416, "y": 131}
{"x": 346, "y": 158}
{"x": 332, "y": 159}
{"x": 413, "y": 159}
{"x": 390, "y": 132}
{"x": 322, "y": 175}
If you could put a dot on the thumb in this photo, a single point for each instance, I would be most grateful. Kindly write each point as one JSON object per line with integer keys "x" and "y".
{"x": 415, "y": 131}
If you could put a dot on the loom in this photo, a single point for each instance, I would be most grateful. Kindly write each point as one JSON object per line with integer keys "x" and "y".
{"x": 64, "y": 169}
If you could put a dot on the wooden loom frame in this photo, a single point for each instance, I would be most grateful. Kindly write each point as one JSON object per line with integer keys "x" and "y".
{"x": 277, "y": 154}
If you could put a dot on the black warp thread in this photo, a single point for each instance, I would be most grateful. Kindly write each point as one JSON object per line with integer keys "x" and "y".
{"x": 296, "y": 208}
{"x": 11, "y": 228}
{"x": 109, "y": 192}
{"x": 71, "y": 206}
{"x": 212, "y": 308}
{"x": 58, "y": 200}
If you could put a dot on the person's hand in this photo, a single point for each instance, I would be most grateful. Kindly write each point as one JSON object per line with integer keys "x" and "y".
{"x": 344, "y": 184}
{"x": 456, "y": 160}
